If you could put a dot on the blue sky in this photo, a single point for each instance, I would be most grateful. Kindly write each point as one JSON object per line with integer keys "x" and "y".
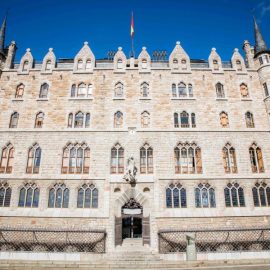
{"x": 105, "y": 24}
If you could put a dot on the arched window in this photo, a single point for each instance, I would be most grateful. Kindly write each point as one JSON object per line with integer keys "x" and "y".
{"x": 220, "y": 90}
{"x": 87, "y": 120}
{"x": 44, "y": 90}
{"x": 187, "y": 158}
{"x": 34, "y": 157}
{"x": 261, "y": 194}
{"x": 238, "y": 65}
{"x": 48, "y": 65}
{"x": 145, "y": 89}
{"x": 118, "y": 120}
{"x": 256, "y": 159}
{"x": 174, "y": 93}
{"x": 182, "y": 90}
{"x": 224, "y": 120}
{"x": 193, "y": 120}
{"x": 215, "y": 65}
{"x": 25, "y": 66}
{"x": 175, "y": 63}
{"x": 87, "y": 196}
{"x": 146, "y": 159}
{"x": 184, "y": 64}
{"x": 190, "y": 90}
{"x": 39, "y": 120}
{"x": 88, "y": 64}
{"x": 144, "y": 64}
{"x": 80, "y": 64}
{"x": 244, "y": 90}
{"x": 29, "y": 195}
{"x": 19, "y": 91}
{"x": 176, "y": 120}
{"x": 145, "y": 119}
{"x": 7, "y": 159}
{"x": 76, "y": 158}
{"x": 119, "y": 90}
{"x": 234, "y": 195}
{"x": 229, "y": 159}
{"x": 79, "y": 117}
{"x": 120, "y": 63}
{"x": 70, "y": 120}
{"x": 249, "y": 120}
{"x": 58, "y": 196}
{"x": 73, "y": 90}
{"x": 5, "y": 194}
{"x": 14, "y": 118}
{"x": 176, "y": 196}
{"x": 90, "y": 90}
{"x": 184, "y": 116}
{"x": 117, "y": 159}
{"x": 81, "y": 90}
{"x": 205, "y": 196}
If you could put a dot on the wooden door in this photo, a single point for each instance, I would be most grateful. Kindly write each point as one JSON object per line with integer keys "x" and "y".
{"x": 146, "y": 230}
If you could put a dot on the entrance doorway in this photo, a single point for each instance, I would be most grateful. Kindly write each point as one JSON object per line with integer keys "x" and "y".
{"x": 131, "y": 227}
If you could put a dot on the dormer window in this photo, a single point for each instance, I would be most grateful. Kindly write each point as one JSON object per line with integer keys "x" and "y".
{"x": 80, "y": 65}
{"x": 120, "y": 64}
{"x": 88, "y": 64}
{"x": 215, "y": 65}
{"x": 238, "y": 65}
{"x": 184, "y": 64}
{"x": 144, "y": 64}
{"x": 25, "y": 66}
{"x": 48, "y": 65}
{"x": 175, "y": 63}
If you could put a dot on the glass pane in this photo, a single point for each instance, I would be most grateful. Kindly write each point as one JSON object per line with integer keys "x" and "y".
{"x": 2, "y": 195}
{"x": 268, "y": 195}
{"x": 168, "y": 197}
{"x": 80, "y": 198}
{"x": 183, "y": 198}
{"x": 8, "y": 197}
{"x": 227, "y": 197}
{"x": 197, "y": 197}
{"x": 29, "y": 197}
{"x": 51, "y": 198}
{"x": 241, "y": 197}
{"x": 262, "y": 196}
{"x": 36, "y": 198}
{"x": 204, "y": 197}
{"x": 95, "y": 198}
{"x": 176, "y": 200}
{"x": 59, "y": 194}
{"x": 212, "y": 197}
{"x": 66, "y": 198}
{"x": 87, "y": 202}
{"x": 255, "y": 197}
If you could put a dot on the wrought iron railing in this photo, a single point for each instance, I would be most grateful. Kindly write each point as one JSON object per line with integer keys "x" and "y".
{"x": 227, "y": 240}
{"x": 48, "y": 240}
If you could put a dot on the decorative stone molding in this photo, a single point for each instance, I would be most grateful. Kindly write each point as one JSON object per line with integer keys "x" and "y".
{"x": 120, "y": 61}
{"x": 215, "y": 62}
{"x": 144, "y": 61}
{"x": 26, "y": 62}
{"x": 49, "y": 62}
{"x": 238, "y": 62}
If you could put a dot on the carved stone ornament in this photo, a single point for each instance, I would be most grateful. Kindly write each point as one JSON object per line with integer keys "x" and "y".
{"x": 130, "y": 175}
{"x": 132, "y": 204}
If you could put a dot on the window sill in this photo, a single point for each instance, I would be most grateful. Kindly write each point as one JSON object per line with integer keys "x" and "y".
{"x": 46, "y": 72}
{"x": 221, "y": 99}
{"x": 42, "y": 99}
{"x": 119, "y": 71}
{"x": 17, "y": 99}
{"x": 183, "y": 98}
{"x": 81, "y": 98}
{"x": 119, "y": 98}
{"x": 83, "y": 71}
{"x": 145, "y": 98}
{"x": 246, "y": 99}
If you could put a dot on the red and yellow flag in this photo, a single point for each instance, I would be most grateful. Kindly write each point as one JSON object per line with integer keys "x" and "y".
{"x": 132, "y": 26}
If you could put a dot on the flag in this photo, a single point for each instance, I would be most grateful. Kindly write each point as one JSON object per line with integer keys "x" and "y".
{"x": 132, "y": 26}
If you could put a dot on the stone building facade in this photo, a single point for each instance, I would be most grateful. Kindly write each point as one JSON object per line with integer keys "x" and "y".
{"x": 197, "y": 130}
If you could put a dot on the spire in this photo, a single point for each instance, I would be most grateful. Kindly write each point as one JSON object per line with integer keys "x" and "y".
{"x": 260, "y": 45}
{"x": 3, "y": 35}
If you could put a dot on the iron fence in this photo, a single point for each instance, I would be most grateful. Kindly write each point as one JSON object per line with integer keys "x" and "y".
{"x": 47, "y": 240}
{"x": 227, "y": 240}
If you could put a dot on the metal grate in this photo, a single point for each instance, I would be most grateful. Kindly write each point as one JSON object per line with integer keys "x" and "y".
{"x": 43, "y": 240}
{"x": 227, "y": 240}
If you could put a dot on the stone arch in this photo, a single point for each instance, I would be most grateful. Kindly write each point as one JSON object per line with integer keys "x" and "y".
{"x": 126, "y": 196}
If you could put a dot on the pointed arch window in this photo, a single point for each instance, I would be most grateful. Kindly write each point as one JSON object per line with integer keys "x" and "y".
{"x": 184, "y": 119}
{"x": 44, "y": 90}
{"x": 117, "y": 159}
{"x": 145, "y": 89}
{"x": 88, "y": 64}
{"x": 48, "y": 65}
{"x": 70, "y": 120}
{"x": 193, "y": 120}
{"x": 261, "y": 194}
{"x": 256, "y": 159}
{"x": 176, "y": 120}
{"x": 81, "y": 90}
{"x": 144, "y": 64}
{"x": 224, "y": 119}
{"x": 14, "y": 118}
{"x": 25, "y": 66}
{"x": 119, "y": 90}
{"x": 184, "y": 116}
{"x": 174, "y": 92}
{"x": 87, "y": 196}
{"x": 29, "y": 195}
{"x": 118, "y": 119}
{"x": 215, "y": 64}
{"x": 145, "y": 119}
{"x": 120, "y": 64}
{"x": 234, "y": 195}
{"x": 58, "y": 196}
{"x": 7, "y": 159}
{"x": 182, "y": 90}
{"x": 80, "y": 64}
{"x": 76, "y": 159}
{"x": 190, "y": 90}
{"x": 184, "y": 64}
{"x": 187, "y": 158}
{"x": 19, "y": 91}
{"x": 249, "y": 120}
{"x": 73, "y": 90}
{"x": 205, "y": 196}
{"x": 90, "y": 90}
{"x": 229, "y": 159}
{"x": 5, "y": 194}
{"x": 79, "y": 119}
{"x": 175, "y": 63}
{"x": 176, "y": 196}
{"x": 238, "y": 65}
{"x": 220, "y": 90}
{"x": 146, "y": 159}
{"x": 39, "y": 120}
{"x": 87, "y": 120}
{"x": 34, "y": 157}
{"x": 244, "y": 90}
